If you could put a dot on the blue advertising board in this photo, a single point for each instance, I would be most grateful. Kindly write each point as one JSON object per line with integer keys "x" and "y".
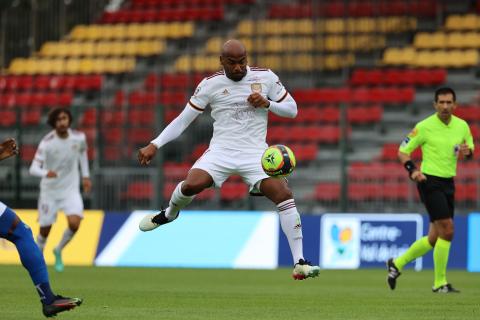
{"x": 350, "y": 241}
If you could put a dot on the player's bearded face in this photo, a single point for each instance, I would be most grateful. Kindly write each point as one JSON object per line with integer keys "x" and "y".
{"x": 235, "y": 67}
{"x": 63, "y": 123}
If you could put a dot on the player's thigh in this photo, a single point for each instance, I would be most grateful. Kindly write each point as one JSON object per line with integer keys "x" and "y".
{"x": 72, "y": 205}
{"x": 215, "y": 163}
{"x": 47, "y": 211}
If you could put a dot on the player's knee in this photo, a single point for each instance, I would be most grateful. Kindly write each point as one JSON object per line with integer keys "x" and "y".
{"x": 190, "y": 189}
{"x": 74, "y": 227}
{"x": 284, "y": 195}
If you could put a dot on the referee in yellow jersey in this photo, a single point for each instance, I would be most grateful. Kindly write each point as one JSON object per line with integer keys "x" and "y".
{"x": 443, "y": 138}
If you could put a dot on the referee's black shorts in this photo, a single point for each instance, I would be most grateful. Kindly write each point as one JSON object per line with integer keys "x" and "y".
{"x": 437, "y": 194}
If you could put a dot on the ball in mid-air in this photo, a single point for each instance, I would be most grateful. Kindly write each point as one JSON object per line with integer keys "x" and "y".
{"x": 278, "y": 161}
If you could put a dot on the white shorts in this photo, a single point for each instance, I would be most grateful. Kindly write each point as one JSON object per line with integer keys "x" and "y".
{"x": 48, "y": 208}
{"x": 222, "y": 163}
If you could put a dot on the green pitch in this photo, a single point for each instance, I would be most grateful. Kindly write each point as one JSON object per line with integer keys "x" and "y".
{"x": 151, "y": 293}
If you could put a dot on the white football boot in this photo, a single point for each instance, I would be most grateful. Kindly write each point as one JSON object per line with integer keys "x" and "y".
{"x": 303, "y": 269}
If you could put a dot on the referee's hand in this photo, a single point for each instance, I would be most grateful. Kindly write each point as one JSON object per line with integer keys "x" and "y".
{"x": 418, "y": 176}
{"x": 146, "y": 154}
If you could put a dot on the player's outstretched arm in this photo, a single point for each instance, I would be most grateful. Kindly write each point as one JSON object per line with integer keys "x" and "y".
{"x": 8, "y": 148}
{"x": 171, "y": 132}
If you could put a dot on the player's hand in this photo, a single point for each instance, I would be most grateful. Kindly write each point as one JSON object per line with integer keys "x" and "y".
{"x": 418, "y": 176}
{"x": 51, "y": 174}
{"x": 8, "y": 148}
{"x": 146, "y": 154}
{"x": 258, "y": 101}
{"x": 464, "y": 151}
{"x": 87, "y": 185}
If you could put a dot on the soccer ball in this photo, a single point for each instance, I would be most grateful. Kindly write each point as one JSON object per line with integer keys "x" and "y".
{"x": 278, "y": 161}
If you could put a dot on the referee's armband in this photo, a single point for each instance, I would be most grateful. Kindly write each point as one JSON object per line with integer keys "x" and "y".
{"x": 410, "y": 166}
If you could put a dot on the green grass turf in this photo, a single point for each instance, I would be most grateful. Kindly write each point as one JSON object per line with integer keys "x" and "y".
{"x": 152, "y": 293}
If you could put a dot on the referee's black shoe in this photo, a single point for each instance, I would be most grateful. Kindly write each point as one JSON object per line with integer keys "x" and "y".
{"x": 446, "y": 288}
{"x": 393, "y": 274}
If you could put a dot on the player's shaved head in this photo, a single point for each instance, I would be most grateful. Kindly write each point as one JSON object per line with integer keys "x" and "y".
{"x": 233, "y": 58}
{"x": 233, "y": 48}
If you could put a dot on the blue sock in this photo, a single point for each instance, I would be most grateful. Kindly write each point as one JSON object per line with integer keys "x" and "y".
{"x": 31, "y": 257}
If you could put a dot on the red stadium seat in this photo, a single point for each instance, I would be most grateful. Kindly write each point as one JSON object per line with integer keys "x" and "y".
{"x": 7, "y": 118}
{"x": 327, "y": 191}
{"x": 176, "y": 170}
{"x": 139, "y": 190}
{"x": 232, "y": 191}
{"x": 31, "y": 117}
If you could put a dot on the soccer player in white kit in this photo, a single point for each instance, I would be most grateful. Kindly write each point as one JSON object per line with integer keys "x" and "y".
{"x": 240, "y": 98}
{"x": 57, "y": 162}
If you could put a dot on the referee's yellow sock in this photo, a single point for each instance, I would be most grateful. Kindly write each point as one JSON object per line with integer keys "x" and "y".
{"x": 417, "y": 249}
{"x": 440, "y": 261}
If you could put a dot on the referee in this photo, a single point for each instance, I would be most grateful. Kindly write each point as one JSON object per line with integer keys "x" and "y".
{"x": 443, "y": 138}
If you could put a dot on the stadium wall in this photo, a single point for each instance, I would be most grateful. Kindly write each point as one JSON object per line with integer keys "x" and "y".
{"x": 249, "y": 240}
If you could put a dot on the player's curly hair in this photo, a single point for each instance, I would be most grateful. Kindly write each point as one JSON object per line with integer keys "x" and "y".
{"x": 53, "y": 115}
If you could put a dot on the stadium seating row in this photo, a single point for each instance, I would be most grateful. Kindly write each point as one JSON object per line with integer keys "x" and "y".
{"x": 277, "y": 62}
{"x": 333, "y": 25}
{"x": 305, "y": 44}
{"x": 173, "y": 30}
{"x": 70, "y": 66}
{"x": 331, "y": 114}
{"x": 356, "y": 95}
{"x": 411, "y": 77}
{"x": 452, "y": 40}
{"x": 27, "y": 118}
{"x": 172, "y": 80}
{"x": 39, "y": 99}
{"x": 409, "y": 56}
{"x": 461, "y": 22}
{"x": 186, "y": 3}
{"x": 300, "y": 133}
{"x": 153, "y": 15}
{"x": 103, "y": 48}
{"x": 45, "y": 82}
{"x": 367, "y": 8}
{"x": 112, "y": 118}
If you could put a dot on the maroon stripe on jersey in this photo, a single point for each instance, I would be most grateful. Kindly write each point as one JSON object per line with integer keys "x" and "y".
{"x": 195, "y": 107}
{"x": 284, "y": 96}
{"x": 215, "y": 74}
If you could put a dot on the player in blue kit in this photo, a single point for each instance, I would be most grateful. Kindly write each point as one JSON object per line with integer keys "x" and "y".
{"x": 17, "y": 232}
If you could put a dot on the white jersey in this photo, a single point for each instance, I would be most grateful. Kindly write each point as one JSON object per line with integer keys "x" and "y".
{"x": 62, "y": 156}
{"x": 237, "y": 124}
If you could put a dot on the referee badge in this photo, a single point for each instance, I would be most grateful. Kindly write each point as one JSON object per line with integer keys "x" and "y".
{"x": 256, "y": 87}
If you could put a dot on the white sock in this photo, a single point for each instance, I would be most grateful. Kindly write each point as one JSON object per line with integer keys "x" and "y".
{"x": 177, "y": 202}
{"x": 41, "y": 241}
{"x": 67, "y": 236}
{"x": 292, "y": 227}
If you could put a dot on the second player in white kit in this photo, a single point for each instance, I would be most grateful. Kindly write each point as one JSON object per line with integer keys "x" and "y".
{"x": 240, "y": 98}
{"x": 60, "y": 155}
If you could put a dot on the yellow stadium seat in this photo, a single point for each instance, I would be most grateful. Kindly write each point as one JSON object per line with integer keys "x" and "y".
{"x": 72, "y": 66}
{"x": 273, "y": 44}
{"x": 118, "y": 31}
{"x": 58, "y": 66}
{"x": 98, "y": 65}
{"x": 214, "y": 45}
{"x": 48, "y": 49}
{"x": 79, "y": 32}
{"x": 17, "y": 66}
{"x": 134, "y": 31}
{"x": 88, "y": 49}
{"x": 392, "y": 56}
{"x": 86, "y": 66}
{"x": 74, "y": 49}
{"x": 335, "y": 26}
{"x": 304, "y": 26}
{"x": 274, "y": 62}
{"x": 148, "y": 30}
{"x": 471, "y": 57}
{"x": 245, "y": 28}
{"x": 183, "y": 64}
